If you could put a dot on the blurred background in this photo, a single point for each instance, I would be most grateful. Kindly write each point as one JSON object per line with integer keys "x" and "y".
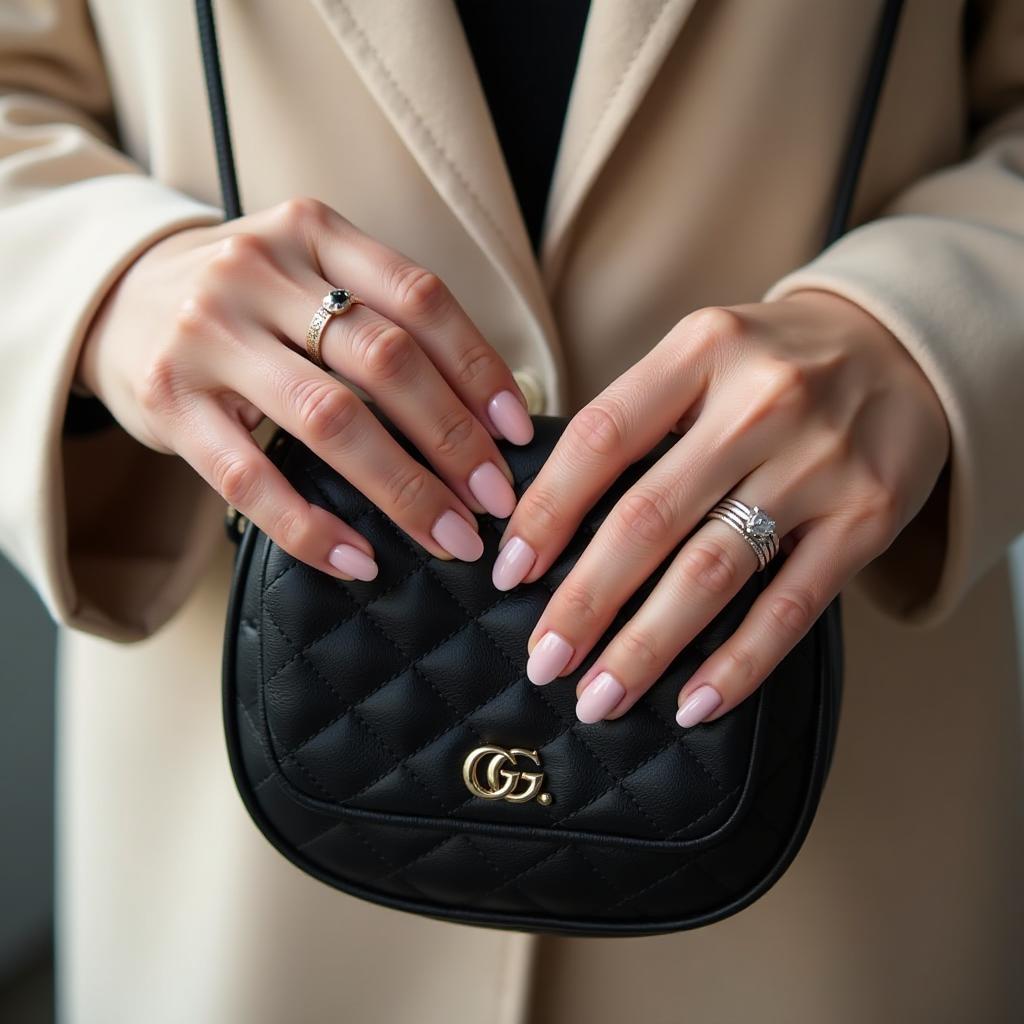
{"x": 26, "y": 803}
{"x": 26, "y": 795}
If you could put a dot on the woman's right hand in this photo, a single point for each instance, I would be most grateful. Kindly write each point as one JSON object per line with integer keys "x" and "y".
{"x": 204, "y": 335}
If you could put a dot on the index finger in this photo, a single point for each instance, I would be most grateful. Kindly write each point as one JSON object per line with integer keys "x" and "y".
{"x": 618, "y": 427}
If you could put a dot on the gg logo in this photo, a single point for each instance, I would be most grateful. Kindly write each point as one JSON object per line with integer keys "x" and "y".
{"x": 500, "y": 782}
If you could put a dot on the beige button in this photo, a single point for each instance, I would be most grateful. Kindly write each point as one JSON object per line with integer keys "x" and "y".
{"x": 532, "y": 389}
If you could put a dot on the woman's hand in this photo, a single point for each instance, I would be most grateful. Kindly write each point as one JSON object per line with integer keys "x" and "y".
{"x": 807, "y": 407}
{"x": 202, "y": 337}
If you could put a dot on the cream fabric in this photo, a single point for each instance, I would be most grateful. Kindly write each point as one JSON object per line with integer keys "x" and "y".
{"x": 697, "y": 168}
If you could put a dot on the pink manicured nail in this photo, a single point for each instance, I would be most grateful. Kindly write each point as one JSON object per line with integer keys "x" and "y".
{"x": 550, "y": 655}
{"x": 512, "y": 564}
{"x": 457, "y": 537}
{"x": 698, "y": 706}
{"x": 509, "y": 416}
{"x": 603, "y": 692}
{"x": 353, "y": 562}
{"x": 492, "y": 490}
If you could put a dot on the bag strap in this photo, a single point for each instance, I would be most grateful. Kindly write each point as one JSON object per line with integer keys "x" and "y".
{"x": 218, "y": 110}
{"x": 848, "y": 175}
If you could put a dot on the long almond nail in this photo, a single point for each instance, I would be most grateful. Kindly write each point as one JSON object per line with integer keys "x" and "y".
{"x": 602, "y": 694}
{"x": 492, "y": 490}
{"x": 457, "y": 537}
{"x": 698, "y": 706}
{"x": 353, "y": 562}
{"x": 510, "y": 418}
{"x": 514, "y": 561}
{"x": 550, "y": 655}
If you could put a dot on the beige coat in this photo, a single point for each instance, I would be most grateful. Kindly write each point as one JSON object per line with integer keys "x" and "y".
{"x": 697, "y": 166}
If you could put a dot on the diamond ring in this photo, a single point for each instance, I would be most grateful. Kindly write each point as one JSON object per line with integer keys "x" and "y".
{"x": 754, "y": 524}
{"x": 335, "y": 302}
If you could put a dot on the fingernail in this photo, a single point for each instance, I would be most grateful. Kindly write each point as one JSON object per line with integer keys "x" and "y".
{"x": 492, "y": 490}
{"x": 550, "y": 655}
{"x": 510, "y": 418}
{"x": 512, "y": 564}
{"x": 698, "y": 706}
{"x": 603, "y": 692}
{"x": 457, "y": 537}
{"x": 353, "y": 562}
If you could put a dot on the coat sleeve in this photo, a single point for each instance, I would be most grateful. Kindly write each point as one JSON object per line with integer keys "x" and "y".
{"x": 110, "y": 534}
{"x": 942, "y": 267}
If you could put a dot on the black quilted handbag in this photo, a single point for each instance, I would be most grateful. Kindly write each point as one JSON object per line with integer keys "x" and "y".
{"x": 384, "y": 736}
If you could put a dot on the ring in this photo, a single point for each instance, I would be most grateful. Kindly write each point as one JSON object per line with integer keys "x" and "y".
{"x": 754, "y": 524}
{"x": 335, "y": 302}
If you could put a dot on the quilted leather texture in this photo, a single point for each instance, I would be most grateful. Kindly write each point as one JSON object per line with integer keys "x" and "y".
{"x": 350, "y": 709}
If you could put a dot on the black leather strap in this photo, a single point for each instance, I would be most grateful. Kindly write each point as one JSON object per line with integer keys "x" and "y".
{"x": 857, "y": 145}
{"x": 848, "y": 175}
{"x": 218, "y": 110}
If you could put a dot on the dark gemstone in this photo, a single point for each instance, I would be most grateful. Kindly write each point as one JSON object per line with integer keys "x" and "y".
{"x": 337, "y": 298}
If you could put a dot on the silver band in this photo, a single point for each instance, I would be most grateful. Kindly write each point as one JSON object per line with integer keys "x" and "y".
{"x": 334, "y": 304}
{"x": 754, "y": 524}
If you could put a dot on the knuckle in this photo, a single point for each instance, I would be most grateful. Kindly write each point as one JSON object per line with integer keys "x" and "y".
{"x": 476, "y": 362}
{"x": 237, "y": 479}
{"x": 197, "y": 316}
{"x": 384, "y": 348}
{"x": 160, "y": 385}
{"x": 325, "y": 411}
{"x": 453, "y": 431}
{"x": 644, "y": 517}
{"x": 404, "y": 487}
{"x": 290, "y": 531}
{"x": 540, "y": 508}
{"x": 301, "y": 213}
{"x": 578, "y": 601}
{"x": 792, "y": 613}
{"x": 238, "y": 256}
{"x": 190, "y": 320}
{"x": 599, "y": 428}
{"x": 419, "y": 291}
{"x": 741, "y": 665}
{"x": 710, "y": 566}
{"x": 713, "y": 326}
{"x": 641, "y": 647}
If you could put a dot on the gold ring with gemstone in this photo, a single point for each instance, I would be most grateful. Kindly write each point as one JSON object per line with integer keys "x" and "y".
{"x": 754, "y": 524}
{"x": 335, "y": 302}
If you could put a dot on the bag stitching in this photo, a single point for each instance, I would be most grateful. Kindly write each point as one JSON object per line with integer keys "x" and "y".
{"x": 401, "y": 762}
{"x": 494, "y": 644}
{"x": 291, "y": 756}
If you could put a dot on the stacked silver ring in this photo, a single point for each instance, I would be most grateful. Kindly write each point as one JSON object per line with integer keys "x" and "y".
{"x": 754, "y": 524}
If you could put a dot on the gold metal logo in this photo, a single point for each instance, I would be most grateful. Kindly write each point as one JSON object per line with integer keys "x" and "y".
{"x": 501, "y": 782}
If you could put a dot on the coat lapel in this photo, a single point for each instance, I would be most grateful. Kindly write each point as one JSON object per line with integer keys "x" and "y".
{"x": 414, "y": 59}
{"x": 624, "y": 45}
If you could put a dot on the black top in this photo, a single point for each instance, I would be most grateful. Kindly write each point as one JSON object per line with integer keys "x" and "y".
{"x": 526, "y": 53}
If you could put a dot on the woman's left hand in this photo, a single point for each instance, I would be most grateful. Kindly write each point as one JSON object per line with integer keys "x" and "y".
{"x": 807, "y": 407}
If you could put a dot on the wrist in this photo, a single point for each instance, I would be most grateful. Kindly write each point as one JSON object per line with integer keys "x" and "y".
{"x": 85, "y": 412}
{"x": 85, "y": 381}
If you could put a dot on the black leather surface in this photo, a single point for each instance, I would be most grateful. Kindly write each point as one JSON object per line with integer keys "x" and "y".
{"x": 350, "y": 708}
